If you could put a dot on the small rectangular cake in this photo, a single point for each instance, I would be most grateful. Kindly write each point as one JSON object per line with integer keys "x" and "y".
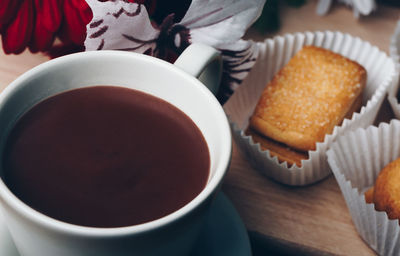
{"x": 308, "y": 97}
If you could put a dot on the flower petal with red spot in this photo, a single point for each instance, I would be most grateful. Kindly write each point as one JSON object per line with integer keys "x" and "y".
{"x": 18, "y": 33}
{"x": 218, "y": 23}
{"x": 111, "y": 18}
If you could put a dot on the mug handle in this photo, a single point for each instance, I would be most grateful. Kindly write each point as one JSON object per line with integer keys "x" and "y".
{"x": 204, "y": 62}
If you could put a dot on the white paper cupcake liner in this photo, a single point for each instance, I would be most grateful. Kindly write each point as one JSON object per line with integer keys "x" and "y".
{"x": 273, "y": 55}
{"x": 394, "y": 50}
{"x": 356, "y": 159}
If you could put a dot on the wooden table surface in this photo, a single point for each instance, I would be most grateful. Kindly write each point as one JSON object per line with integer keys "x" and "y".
{"x": 283, "y": 220}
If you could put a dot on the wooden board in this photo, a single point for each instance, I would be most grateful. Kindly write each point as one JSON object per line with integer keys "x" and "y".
{"x": 311, "y": 220}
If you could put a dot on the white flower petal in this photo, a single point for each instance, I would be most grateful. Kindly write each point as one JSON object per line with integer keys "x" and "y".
{"x": 220, "y": 22}
{"x": 119, "y": 25}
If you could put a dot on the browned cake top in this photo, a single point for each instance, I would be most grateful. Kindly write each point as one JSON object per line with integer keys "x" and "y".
{"x": 308, "y": 97}
{"x": 386, "y": 193}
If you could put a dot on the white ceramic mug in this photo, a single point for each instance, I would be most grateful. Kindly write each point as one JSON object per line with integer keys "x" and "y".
{"x": 38, "y": 235}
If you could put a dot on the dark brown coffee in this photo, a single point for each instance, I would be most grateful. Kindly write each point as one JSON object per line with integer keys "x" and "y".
{"x": 105, "y": 156}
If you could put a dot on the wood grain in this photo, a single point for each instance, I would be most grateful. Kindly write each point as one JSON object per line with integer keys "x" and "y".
{"x": 315, "y": 217}
{"x": 311, "y": 220}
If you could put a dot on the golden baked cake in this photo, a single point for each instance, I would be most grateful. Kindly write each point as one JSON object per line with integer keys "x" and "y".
{"x": 308, "y": 97}
{"x": 283, "y": 152}
{"x": 369, "y": 196}
{"x": 386, "y": 192}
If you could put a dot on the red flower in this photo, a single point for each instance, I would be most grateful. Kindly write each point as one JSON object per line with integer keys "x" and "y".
{"x": 76, "y": 15}
{"x": 48, "y": 20}
{"x": 16, "y": 29}
{"x": 36, "y": 23}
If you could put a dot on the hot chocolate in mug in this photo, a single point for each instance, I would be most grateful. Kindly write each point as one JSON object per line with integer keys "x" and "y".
{"x": 35, "y": 233}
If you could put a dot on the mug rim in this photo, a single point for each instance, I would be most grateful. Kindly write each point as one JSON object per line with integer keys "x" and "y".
{"x": 28, "y": 213}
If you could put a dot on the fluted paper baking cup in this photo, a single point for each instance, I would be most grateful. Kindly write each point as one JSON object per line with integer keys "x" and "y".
{"x": 273, "y": 55}
{"x": 356, "y": 159}
{"x": 394, "y": 50}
